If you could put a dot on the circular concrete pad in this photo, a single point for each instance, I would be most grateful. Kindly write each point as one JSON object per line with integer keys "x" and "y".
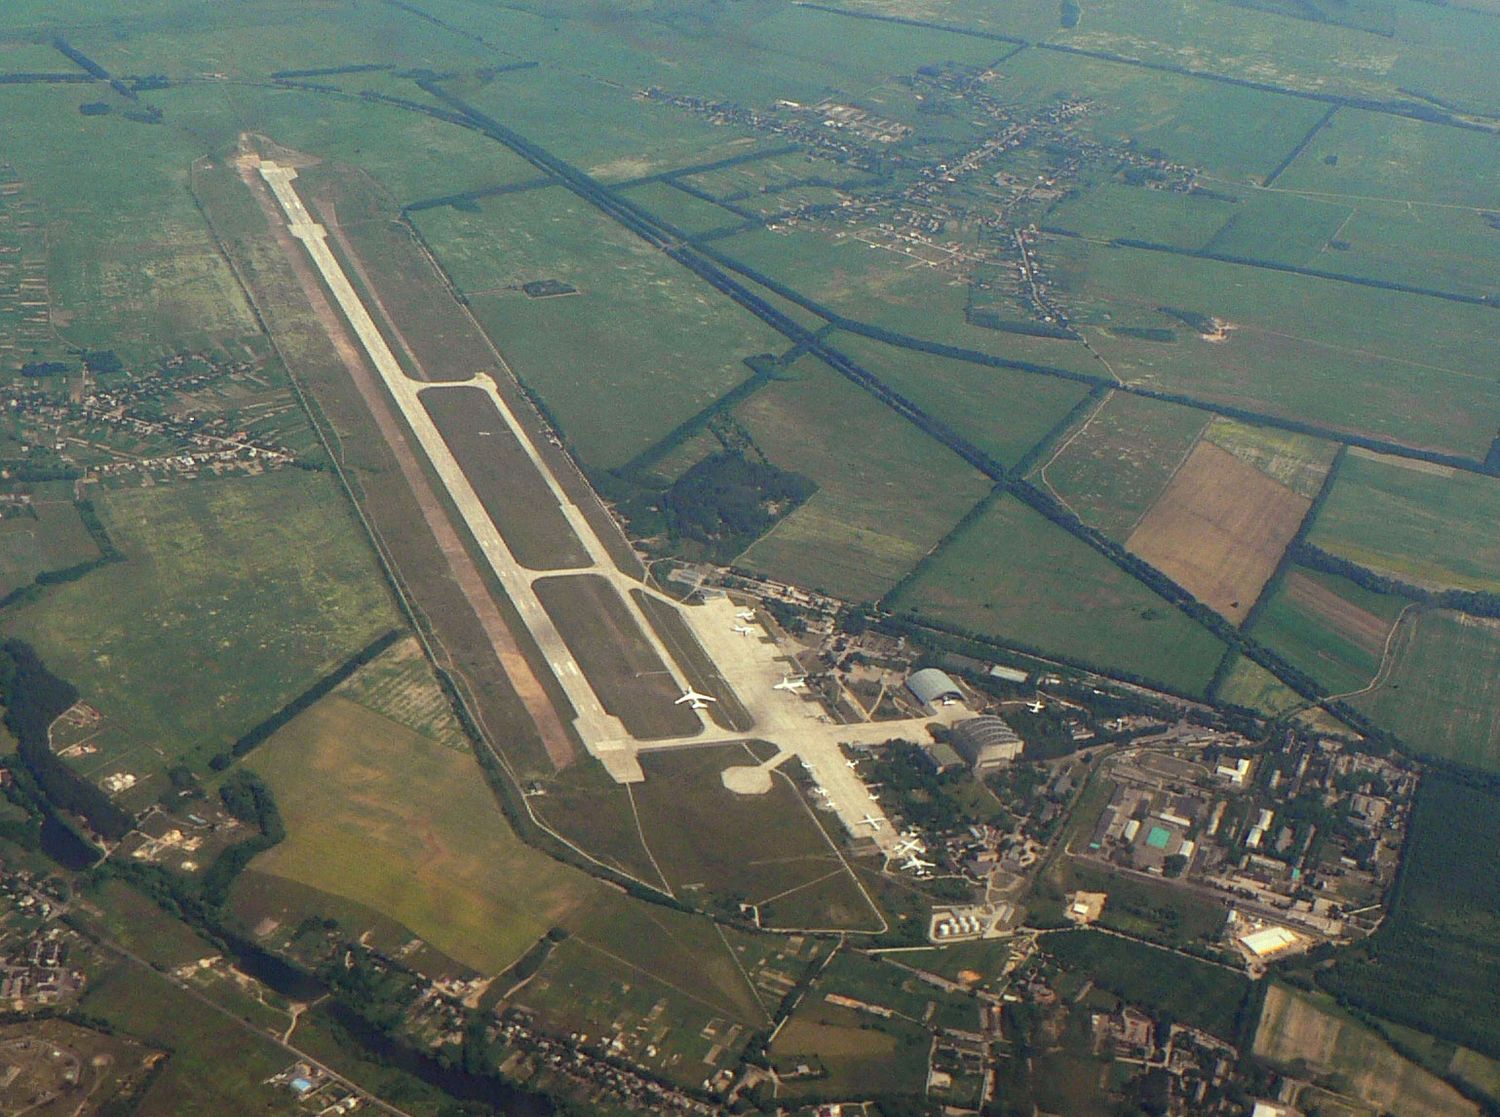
{"x": 747, "y": 779}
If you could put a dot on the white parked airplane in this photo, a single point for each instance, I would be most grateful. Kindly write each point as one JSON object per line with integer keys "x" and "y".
{"x": 1036, "y": 707}
{"x": 872, "y": 822}
{"x": 694, "y": 699}
{"x": 909, "y": 846}
{"x": 851, "y": 764}
{"x": 916, "y": 864}
{"x": 747, "y": 615}
{"x": 819, "y": 790}
{"x": 790, "y": 683}
{"x": 743, "y": 629}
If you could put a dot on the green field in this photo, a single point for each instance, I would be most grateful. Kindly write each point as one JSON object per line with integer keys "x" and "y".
{"x": 382, "y": 816}
{"x": 1373, "y": 362}
{"x": 1111, "y": 468}
{"x": 1002, "y": 412}
{"x": 861, "y": 531}
{"x": 400, "y": 685}
{"x": 1194, "y": 993}
{"x": 1250, "y": 685}
{"x": 1231, "y": 131}
{"x": 1431, "y": 964}
{"x": 53, "y": 538}
{"x": 744, "y": 848}
{"x": 1329, "y": 627}
{"x": 1425, "y": 525}
{"x": 641, "y": 332}
{"x": 1441, "y": 695}
{"x": 1113, "y": 209}
{"x": 262, "y": 584}
{"x": 1013, "y": 576}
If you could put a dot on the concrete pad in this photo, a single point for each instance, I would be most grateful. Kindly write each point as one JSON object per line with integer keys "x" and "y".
{"x": 747, "y": 779}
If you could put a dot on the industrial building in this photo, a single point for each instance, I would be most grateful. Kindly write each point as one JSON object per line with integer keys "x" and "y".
{"x": 986, "y": 743}
{"x": 932, "y": 687}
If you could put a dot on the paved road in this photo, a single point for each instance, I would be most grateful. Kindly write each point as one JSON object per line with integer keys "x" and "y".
{"x": 749, "y": 665}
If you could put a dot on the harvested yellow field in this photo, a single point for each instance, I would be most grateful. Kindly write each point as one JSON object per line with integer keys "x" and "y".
{"x": 1219, "y": 529}
{"x": 1353, "y": 1059}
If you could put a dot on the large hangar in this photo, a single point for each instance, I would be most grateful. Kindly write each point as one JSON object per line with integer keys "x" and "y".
{"x": 933, "y": 687}
{"x": 986, "y": 743}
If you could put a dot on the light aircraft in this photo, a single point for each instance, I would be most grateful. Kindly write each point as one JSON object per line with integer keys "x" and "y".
{"x": 790, "y": 683}
{"x": 819, "y": 790}
{"x": 747, "y": 615}
{"x": 743, "y": 629}
{"x": 694, "y": 699}
{"x": 872, "y": 822}
{"x": 909, "y": 846}
{"x": 1036, "y": 707}
{"x": 916, "y": 864}
{"x": 851, "y": 764}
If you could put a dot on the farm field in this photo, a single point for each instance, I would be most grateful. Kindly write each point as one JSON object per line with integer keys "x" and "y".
{"x": 1414, "y": 522}
{"x": 378, "y": 814}
{"x": 1431, "y": 964}
{"x": 1111, "y": 468}
{"x": 1013, "y": 576}
{"x": 860, "y": 532}
{"x": 1004, "y": 413}
{"x": 53, "y": 538}
{"x": 516, "y": 498}
{"x": 1295, "y": 460}
{"x": 621, "y": 666}
{"x": 640, "y": 331}
{"x": 1250, "y": 685}
{"x": 1219, "y": 530}
{"x": 1297, "y": 1028}
{"x": 1370, "y": 362}
{"x": 757, "y": 848}
{"x": 1441, "y": 694}
{"x": 1111, "y": 209}
{"x": 399, "y": 684}
{"x": 1230, "y": 131}
{"x": 1329, "y": 627}
{"x": 271, "y": 588}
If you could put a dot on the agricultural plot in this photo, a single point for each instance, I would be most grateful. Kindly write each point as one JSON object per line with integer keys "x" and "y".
{"x": 1441, "y": 691}
{"x": 1373, "y": 362}
{"x": 678, "y": 208}
{"x": 382, "y": 816}
{"x": 1113, "y": 209}
{"x": 1417, "y": 523}
{"x": 1219, "y": 530}
{"x": 50, "y": 536}
{"x": 1014, "y": 577}
{"x": 1250, "y": 685}
{"x": 861, "y": 531}
{"x": 621, "y": 665}
{"x": 1004, "y": 413}
{"x": 130, "y": 265}
{"x": 1228, "y": 130}
{"x": 1371, "y": 155}
{"x": 1297, "y": 1029}
{"x": 1295, "y": 460}
{"x": 515, "y": 497}
{"x": 886, "y": 286}
{"x": 854, "y": 1051}
{"x": 1330, "y": 628}
{"x": 400, "y": 685}
{"x": 1112, "y": 467}
{"x": 263, "y": 584}
{"x": 756, "y": 849}
{"x": 640, "y": 332}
